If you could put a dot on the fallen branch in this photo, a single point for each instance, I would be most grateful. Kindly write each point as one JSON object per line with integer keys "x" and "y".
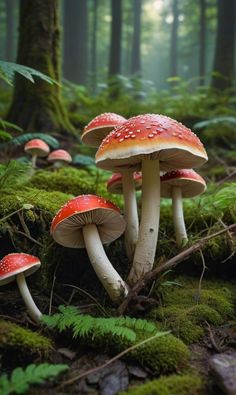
{"x": 152, "y": 275}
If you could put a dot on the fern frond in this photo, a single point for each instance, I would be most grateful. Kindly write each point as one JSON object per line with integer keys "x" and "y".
{"x": 96, "y": 327}
{"x": 12, "y": 174}
{"x": 215, "y": 121}
{"x": 6, "y": 124}
{"x": 83, "y": 160}
{"x": 8, "y": 70}
{"x": 24, "y": 138}
{"x": 20, "y": 379}
{"x": 5, "y": 135}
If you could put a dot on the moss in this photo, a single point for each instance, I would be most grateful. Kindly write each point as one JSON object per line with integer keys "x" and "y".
{"x": 175, "y": 384}
{"x": 14, "y": 336}
{"x": 67, "y": 180}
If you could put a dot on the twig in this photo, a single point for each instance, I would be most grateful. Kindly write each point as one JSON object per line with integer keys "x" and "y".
{"x": 201, "y": 277}
{"x": 29, "y": 237}
{"x": 11, "y": 214}
{"x": 150, "y": 276}
{"x": 121, "y": 354}
{"x": 215, "y": 345}
{"x": 52, "y": 289}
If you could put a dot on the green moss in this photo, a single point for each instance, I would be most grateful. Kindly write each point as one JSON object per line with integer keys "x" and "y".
{"x": 14, "y": 336}
{"x": 67, "y": 180}
{"x": 172, "y": 385}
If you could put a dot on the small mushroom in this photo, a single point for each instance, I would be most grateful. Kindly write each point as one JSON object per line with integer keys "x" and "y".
{"x": 89, "y": 221}
{"x": 149, "y": 142}
{"x": 99, "y": 127}
{"x": 18, "y": 266}
{"x": 59, "y": 158}
{"x": 179, "y": 184}
{"x": 36, "y": 148}
{"x": 115, "y": 185}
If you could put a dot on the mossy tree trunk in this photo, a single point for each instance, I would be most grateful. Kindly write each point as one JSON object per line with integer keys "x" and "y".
{"x": 39, "y": 106}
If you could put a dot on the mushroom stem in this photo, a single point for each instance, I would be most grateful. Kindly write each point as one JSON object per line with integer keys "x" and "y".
{"x": 148, "y": 233}
{"x": 178, "y": 216}
{"x": 33, "y": 310}
{"x": 34, "y": 159}
{"x": 131, "y": 213}
{"x": 110, "y": 279}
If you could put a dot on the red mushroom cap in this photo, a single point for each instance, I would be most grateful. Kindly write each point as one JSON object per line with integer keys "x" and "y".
{"x": 59, "y": 155}
{"x": 16, "y": 263}
{"x": 114, "y": 184}
{"x": 99, "y": 127}
{"x": 37, "y": 147}
{"x": 66, "y": 227}
{"x": 191, "y": 183}
{"x": 151, "y": 136}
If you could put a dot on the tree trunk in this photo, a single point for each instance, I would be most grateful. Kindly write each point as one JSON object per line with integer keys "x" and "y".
{"x": 202, "y": 42}
{"x": 225, "y": 44}
{"x": 115, "y": 46}
{"x": 75, "y": 61}
{"x": 39, "y": 107}
{"x": 174, "y": 40}
{"x": 135, "y": 59}
{"x": 9, "y": 49}
{"x": 94, "y": 46}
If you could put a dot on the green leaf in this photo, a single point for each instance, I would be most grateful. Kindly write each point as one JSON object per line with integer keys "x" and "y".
{"x": 7, "y": 124}
{"x": 215, "y": 121}
{"x": 8, "y": 70}
{"x": 20, "y": 379}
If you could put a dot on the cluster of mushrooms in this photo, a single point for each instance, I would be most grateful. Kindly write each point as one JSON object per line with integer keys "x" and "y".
{"x": 137, "y": 150}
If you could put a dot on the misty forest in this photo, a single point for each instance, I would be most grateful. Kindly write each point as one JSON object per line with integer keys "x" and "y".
{"x": 117, "y": 197}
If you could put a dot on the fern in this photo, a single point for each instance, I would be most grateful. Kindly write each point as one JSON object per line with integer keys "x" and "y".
{"x": 69, "y": 317}
{"x": 5, "y": 135}
{"x": 20, "y": 379}
{"x": 5, "y": 124}
{"x": 12, "y": 174}
{"x": 83, "y": 160}
{"x": 215, "y": 121}
{"x": 24, "y": 138}
{"x": 8, "y": 70}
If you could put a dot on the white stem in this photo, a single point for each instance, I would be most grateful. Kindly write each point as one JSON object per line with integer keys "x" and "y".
{"x": 110, "y": 279}
{"x": 178, "y": 217}
{"x": 33, "y": 310}
{"x": 131, "y": 213}
{"x": 148, "y": 233}
{"x": 34, "y": 159}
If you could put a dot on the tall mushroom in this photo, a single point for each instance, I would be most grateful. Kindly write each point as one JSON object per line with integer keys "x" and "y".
{"x": 149, "y": 142}
{"x": 115, "y": 185}
{"x": 36, "y": 148}
{"x": 18, "y": 266}
{"x": 89, "y": 221}
{"x": 178, "y": 184}
{"x": 59, "y": 158}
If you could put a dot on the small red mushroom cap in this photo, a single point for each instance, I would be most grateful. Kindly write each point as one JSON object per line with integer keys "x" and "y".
{"x": 114, "y": 184}
{"x": 37, "y": 147}
{"x": 59, "y": 155}
{"x": 150, "y": 136}
{"x": 16, "y": 263}
{"x": 99, "y": 127}
{"x": 191, "y": 183}
{"x": 66, "y": 227}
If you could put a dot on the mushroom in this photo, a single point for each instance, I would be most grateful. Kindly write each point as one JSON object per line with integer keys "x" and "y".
{"x": 115, "y": 185}
{"x": 89, "y": 221}
{"x": 18, "y": 266}
{"x": 99, "y": 127}
{"x": 149, "y": 142}
{"x": 59, "y": 158}
{"x": 178, "y": 184}
{"x": 36, "y": 148}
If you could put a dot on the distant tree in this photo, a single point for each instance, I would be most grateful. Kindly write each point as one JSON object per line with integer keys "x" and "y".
{"x": 94, "y": 45}
{"x": 9, "y": 42}
{"x": 225, "y": 44}
{"x": 115, "y": 43}
{"x": 75, "y": 59}
{"x": 135, "y": 56}
{"x": 174, "y": 39}
{"x": 202, "y": 41}
{"x": 39, "y": 107}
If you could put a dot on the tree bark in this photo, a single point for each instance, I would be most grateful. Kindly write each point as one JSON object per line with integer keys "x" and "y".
{"x": 9, "y": 49}
{"x": 94, "y": 46}
{"x": 75, "y": 59}
{"x": 116, "y": 31}
{"x": 174, "y": 40}
{"x": 224, "y": 67}
{"x": 135, "y": 57}
{"x": 39, "y": 107}
{"x": 202, "y": 42}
